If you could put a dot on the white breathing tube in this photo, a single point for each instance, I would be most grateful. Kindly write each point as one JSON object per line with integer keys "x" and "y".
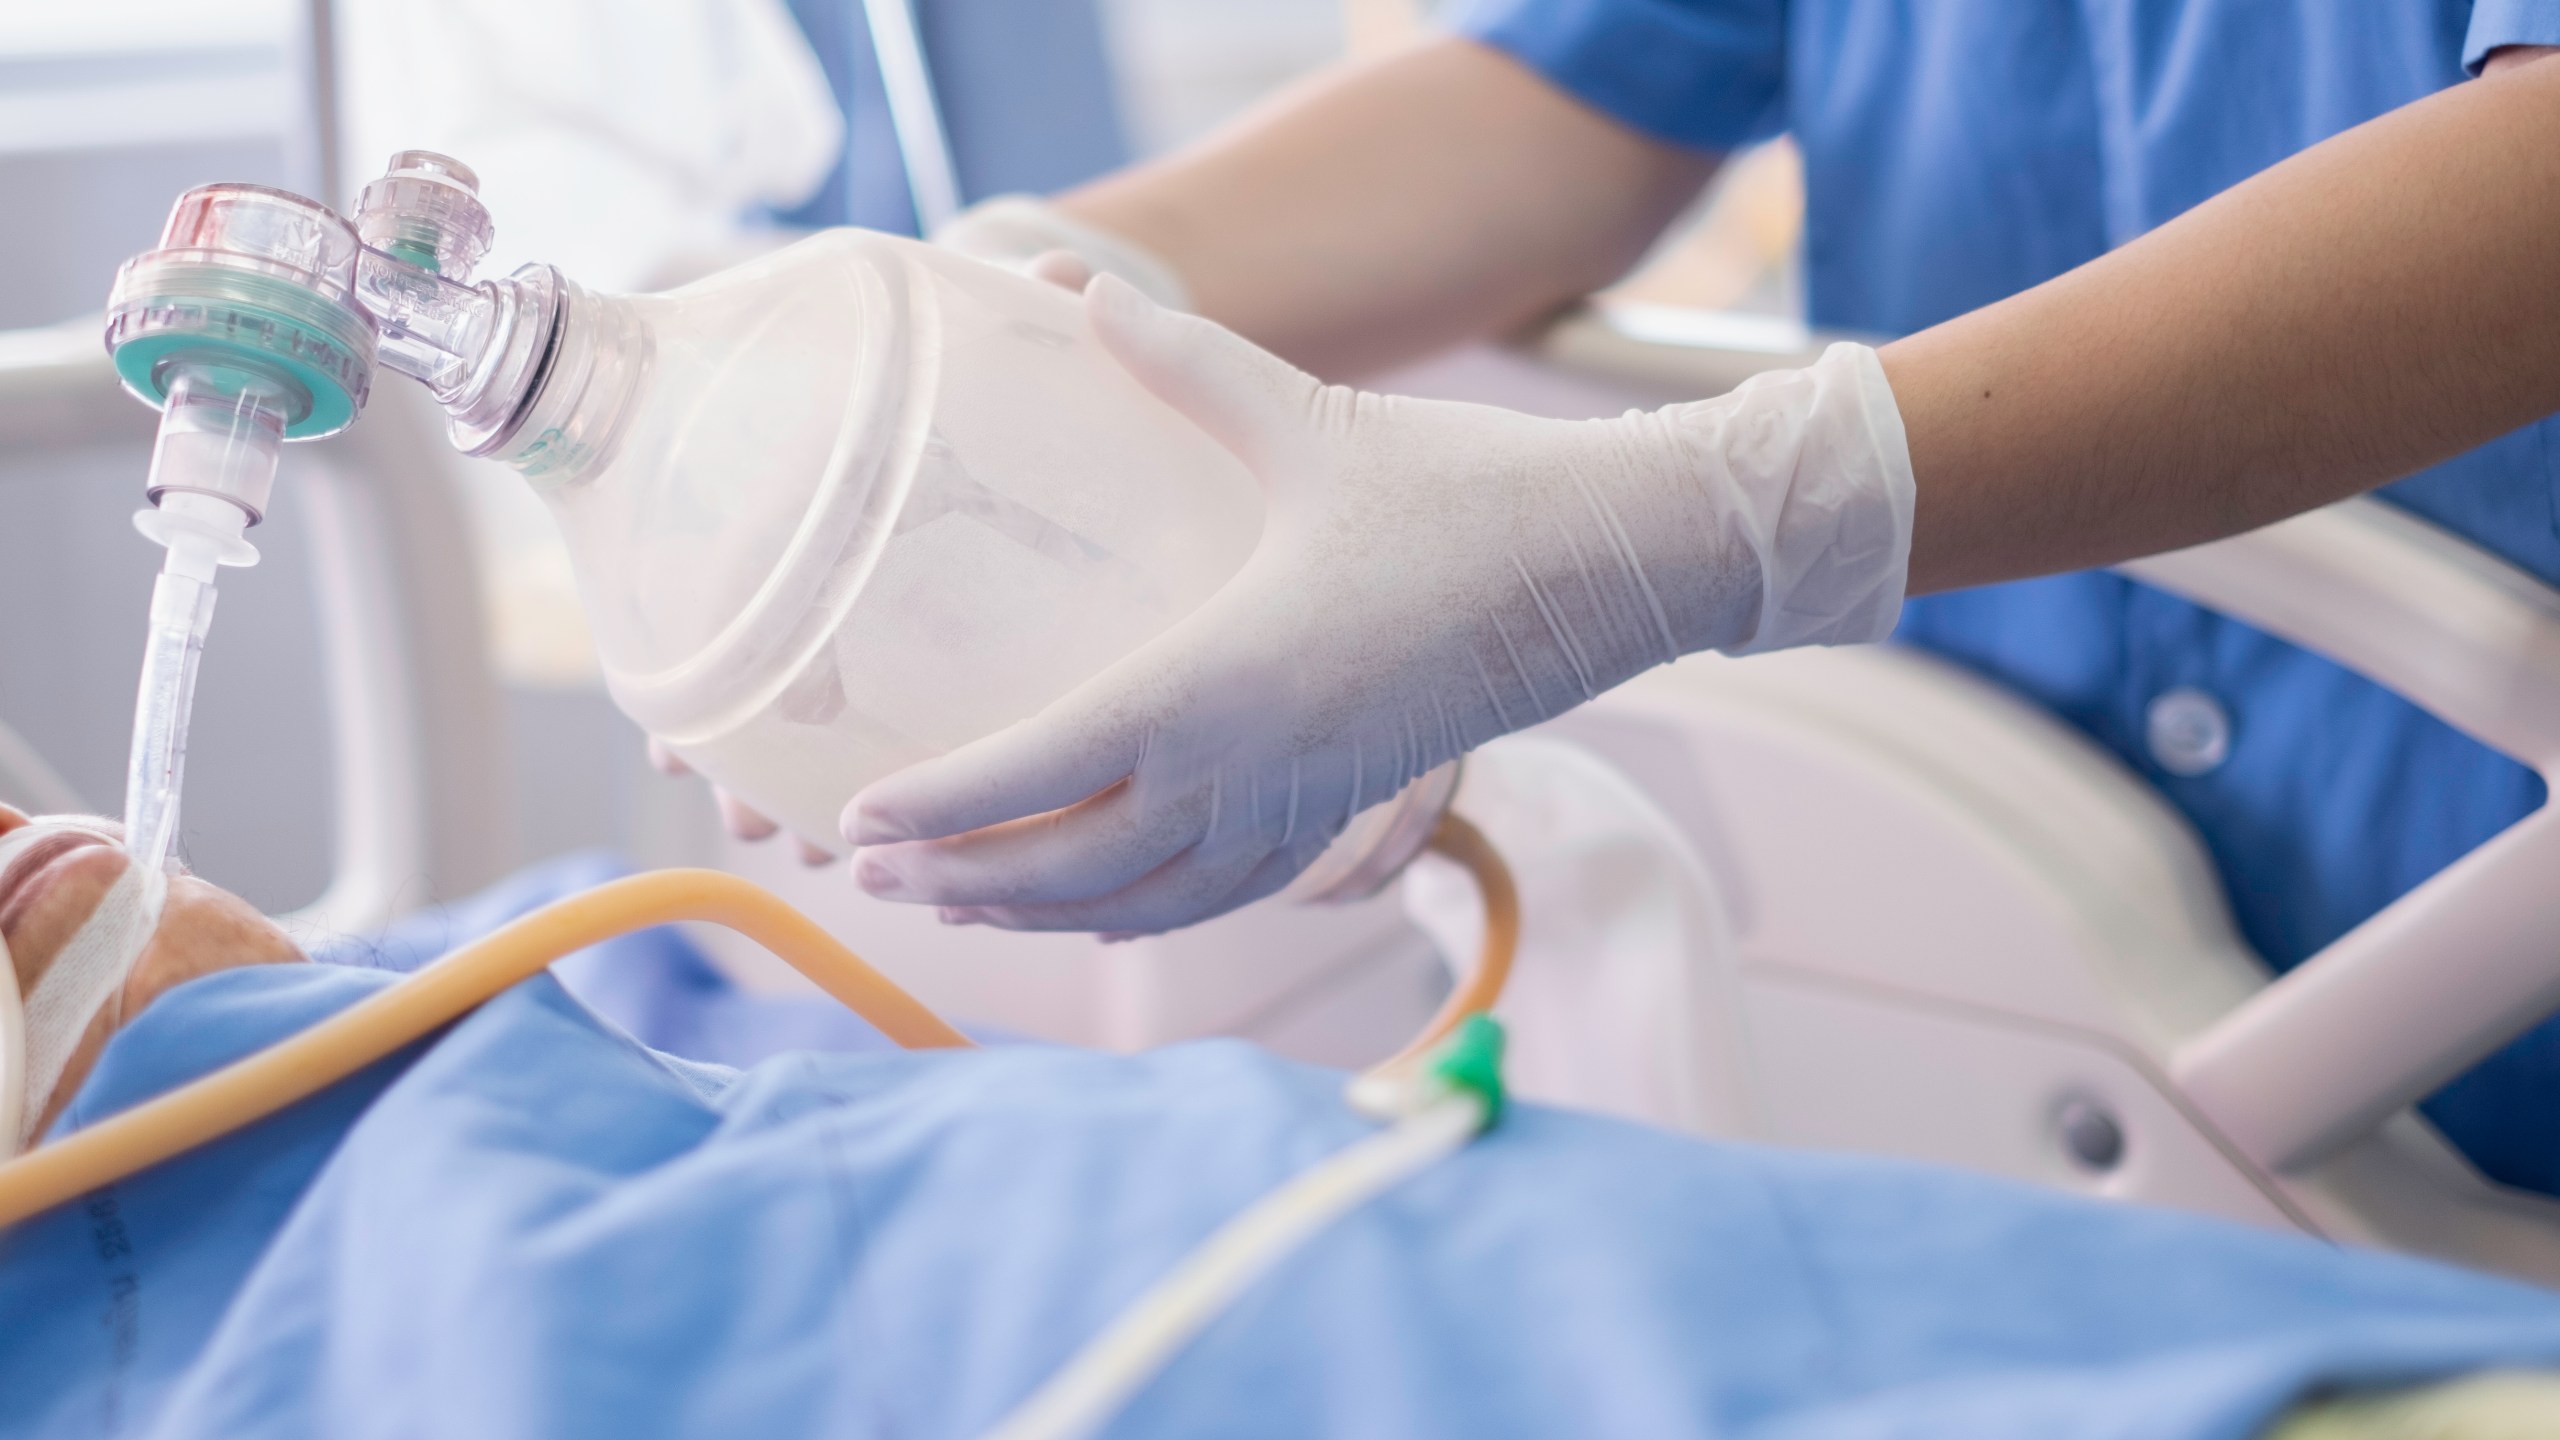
{"x": 181, "y": 612}
{"x": 1085, "y": 1393}
{"x": 40, "y": 1029}
{"x": 210, "y": 475}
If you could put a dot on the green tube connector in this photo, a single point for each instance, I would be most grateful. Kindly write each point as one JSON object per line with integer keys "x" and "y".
{"x": 1471, "y": 1060}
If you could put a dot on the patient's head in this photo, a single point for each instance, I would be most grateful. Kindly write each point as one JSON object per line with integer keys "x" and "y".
{"x": 49, "y": 892}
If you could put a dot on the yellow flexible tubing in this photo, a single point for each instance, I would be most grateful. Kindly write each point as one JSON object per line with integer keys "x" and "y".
{"x": 253, "y": 1088}
{"x": 1464, "y": 843}
{"x": 261, "y": 1084}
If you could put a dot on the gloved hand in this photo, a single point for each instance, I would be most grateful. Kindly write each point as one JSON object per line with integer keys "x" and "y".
{"x": 1015, "y": 232}
{"x": 1430, "y": 575}
{"x": 1026, "y": 233}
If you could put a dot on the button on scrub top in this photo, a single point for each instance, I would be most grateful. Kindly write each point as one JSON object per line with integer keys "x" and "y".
{"x": 1959, "y": 151}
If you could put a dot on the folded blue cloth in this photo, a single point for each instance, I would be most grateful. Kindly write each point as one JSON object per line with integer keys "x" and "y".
{"x": 536, "y": 1226}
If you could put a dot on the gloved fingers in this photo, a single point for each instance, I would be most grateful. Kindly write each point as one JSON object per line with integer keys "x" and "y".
{"x": 1097, "y": 846}
{"x": 1198, "y": 883}
{"x": 1266, "y": 879}
{"x": 1182, "y": 707}
{"x": 1063, "y": 268}
{"x": 736, "y": 816}
{"x": 1084, "y": 743}
{"x": 1249, "y": 400}
{"x": 743, "y": 821}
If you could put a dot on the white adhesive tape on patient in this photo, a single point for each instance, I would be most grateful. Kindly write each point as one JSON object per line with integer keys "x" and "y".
{"x": 13, "y": 1054}
{"x": 88, "y": 972}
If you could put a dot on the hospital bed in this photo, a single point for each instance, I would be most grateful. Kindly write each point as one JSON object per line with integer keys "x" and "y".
{"x": 1847, "y": 898}
{"x": 2032, "y": 972}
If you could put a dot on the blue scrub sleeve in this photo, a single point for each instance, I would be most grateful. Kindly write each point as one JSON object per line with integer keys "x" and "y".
{"x": 2499, "y": 23}
{"x": 1709, "y": 74}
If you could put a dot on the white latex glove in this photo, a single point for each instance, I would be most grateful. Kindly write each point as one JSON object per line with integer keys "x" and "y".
{"x": 1430, "y": 575}
{"x": 1026, "y": 233}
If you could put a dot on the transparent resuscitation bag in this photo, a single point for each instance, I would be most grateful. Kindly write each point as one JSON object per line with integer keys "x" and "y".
{"x": 862, "y": 501}
{"x": 837, "y": 510}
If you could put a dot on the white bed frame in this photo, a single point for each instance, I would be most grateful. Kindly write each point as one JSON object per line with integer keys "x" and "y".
{"x": 1850, "y": 898}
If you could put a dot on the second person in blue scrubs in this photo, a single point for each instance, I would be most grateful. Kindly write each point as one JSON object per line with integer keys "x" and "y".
{"x": 1958, "y": 153}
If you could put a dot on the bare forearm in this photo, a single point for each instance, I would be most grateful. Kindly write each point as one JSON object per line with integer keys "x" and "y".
{"x": 2377, "y": 303}
{"x": 1443, "y": 194}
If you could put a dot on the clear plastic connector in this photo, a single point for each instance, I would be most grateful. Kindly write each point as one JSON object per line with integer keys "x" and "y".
{"x": 258, "y": 319}
{"x": 273, "y": 232}
{"x": 426, "y": 211}
{"x": 220, "y": 437}
{"x": 477, "y": 348}
{"x": 255, "y": 280}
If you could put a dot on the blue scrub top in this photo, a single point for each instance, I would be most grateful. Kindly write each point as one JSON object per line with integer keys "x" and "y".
{"x": 1959, "y": 151}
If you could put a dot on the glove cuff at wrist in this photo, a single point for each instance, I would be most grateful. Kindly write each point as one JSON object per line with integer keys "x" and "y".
{"x": 1823, "y": 496}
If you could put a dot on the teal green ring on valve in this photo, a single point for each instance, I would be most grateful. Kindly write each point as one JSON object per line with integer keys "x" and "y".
{"x": 327, "y": 407}
{"x": 216, "y": 315}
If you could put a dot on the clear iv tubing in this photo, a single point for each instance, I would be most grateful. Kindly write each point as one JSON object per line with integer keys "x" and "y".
{"x": 211, "y": 471}
{"x": 181, "y": 613}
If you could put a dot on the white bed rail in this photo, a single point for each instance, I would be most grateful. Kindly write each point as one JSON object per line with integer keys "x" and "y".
{"x": 2433, "y": 983}
{"x": 2471, "y": 958}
